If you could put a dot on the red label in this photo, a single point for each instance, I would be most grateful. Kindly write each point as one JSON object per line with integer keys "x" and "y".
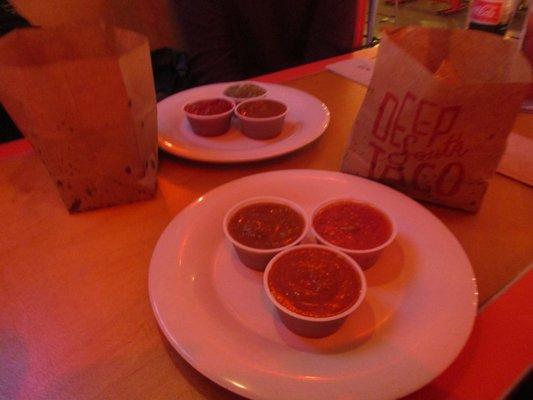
{"x": 486, "y": 12}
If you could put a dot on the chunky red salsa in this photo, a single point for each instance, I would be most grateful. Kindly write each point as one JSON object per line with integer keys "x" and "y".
{"x": 261, "y": 108}
{"x": 209, "y": 107}
{"x": 266, "y": 225}
{"x": 352, "y": 225}
{"x": 314, "y": 282}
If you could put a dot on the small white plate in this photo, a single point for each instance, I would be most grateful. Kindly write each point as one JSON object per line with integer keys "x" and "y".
{"x": 419, "y": 310}
{"x": 306, "y": 120}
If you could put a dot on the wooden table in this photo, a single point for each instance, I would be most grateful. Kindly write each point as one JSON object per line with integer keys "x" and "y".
{"x": 75, "y": 319}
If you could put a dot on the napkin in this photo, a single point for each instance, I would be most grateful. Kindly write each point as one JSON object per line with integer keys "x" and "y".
{"x": 516, "y": 162}
{"x": 359, "y": 68}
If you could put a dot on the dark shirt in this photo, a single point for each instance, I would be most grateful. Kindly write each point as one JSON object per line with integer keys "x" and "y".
{"x": 9, "y": 19}
{"x": 236, "y": 39}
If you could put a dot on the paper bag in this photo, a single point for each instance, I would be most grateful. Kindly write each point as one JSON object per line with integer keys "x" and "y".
{"x": 84, "y": 97}
{"x": 437, "y": 113}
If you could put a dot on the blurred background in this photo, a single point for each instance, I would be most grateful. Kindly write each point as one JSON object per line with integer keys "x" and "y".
{"x": 436, "y": 13}
{"x": 157, "y": 19}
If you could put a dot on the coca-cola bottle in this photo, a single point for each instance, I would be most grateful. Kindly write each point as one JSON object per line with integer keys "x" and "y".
{"x": 490, "y": 15}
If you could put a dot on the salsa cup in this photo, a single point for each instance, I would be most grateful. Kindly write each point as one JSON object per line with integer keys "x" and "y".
{"x": 310, "y": 323}
{"x": 257, "y": 257}
{"x": 365, "y": 256}
{"x": 242, "y": 91}
{"x": 261, "y": 119}
{"x": 210, "y": 116}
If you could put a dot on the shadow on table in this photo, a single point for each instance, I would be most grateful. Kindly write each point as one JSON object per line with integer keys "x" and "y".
{"x": 13, "y": 364}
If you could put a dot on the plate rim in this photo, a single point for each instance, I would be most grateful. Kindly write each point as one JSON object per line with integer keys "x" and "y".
{"x": 253, "y": 395}
{"x": 197, "y": 156}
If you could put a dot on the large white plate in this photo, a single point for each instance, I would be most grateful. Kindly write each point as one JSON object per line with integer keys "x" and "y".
{"x": 418, "y": 313}
{"x": 306, "y": 120}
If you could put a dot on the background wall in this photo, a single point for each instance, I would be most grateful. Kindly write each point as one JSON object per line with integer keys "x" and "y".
{"x": 154, "y": 18}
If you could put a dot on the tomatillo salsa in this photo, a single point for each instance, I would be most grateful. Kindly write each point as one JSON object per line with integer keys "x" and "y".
{"x": 266, "y": 225}
{"x": 314, "y": 282}
{"x": 352, "y": 225}
{"x": 209, "y": 107}
{"x": 245, "y": 90}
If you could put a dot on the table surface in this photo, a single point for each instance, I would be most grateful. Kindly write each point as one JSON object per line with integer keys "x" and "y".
{"x": 75, "y": 318}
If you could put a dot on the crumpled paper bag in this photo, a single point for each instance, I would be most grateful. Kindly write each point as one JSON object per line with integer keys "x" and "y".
{"x": 84, "y": 97}
{"x": 437, "y": 113}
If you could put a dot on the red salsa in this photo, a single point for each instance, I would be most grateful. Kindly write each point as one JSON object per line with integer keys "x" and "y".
{"x": 209, "y": 107}
{"x": 352, "y": 225}
{"x": 261, "y": 108}
{"x": 314, "y": 282}
{"x": 266, "y": 225}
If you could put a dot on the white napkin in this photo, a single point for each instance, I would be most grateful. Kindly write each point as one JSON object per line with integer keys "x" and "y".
{"x": 517, "y": 161}
{"x": 359, "y": 68}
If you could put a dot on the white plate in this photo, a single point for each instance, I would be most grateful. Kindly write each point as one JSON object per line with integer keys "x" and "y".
{"x": 419, "y": 310}
{"x": 306, "y": 120}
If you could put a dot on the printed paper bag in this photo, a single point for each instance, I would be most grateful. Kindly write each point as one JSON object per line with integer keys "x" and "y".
{"x": 84, "y": 97}
{"x": 437, "y": 113}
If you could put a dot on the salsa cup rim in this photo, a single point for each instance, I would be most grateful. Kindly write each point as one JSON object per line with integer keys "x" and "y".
{"x": 265, "y": 199}
{"x": 345, "y": 313}
{"x": 390, "y": 239}
{"x": 261, "y": 119}
{"x": 210, "y": 116}
{"x": 239, "y": 100}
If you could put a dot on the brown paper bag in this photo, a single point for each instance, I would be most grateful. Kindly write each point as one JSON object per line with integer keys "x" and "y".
{"x": 437, "y": 113}
{"x": 84, "y": 97}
